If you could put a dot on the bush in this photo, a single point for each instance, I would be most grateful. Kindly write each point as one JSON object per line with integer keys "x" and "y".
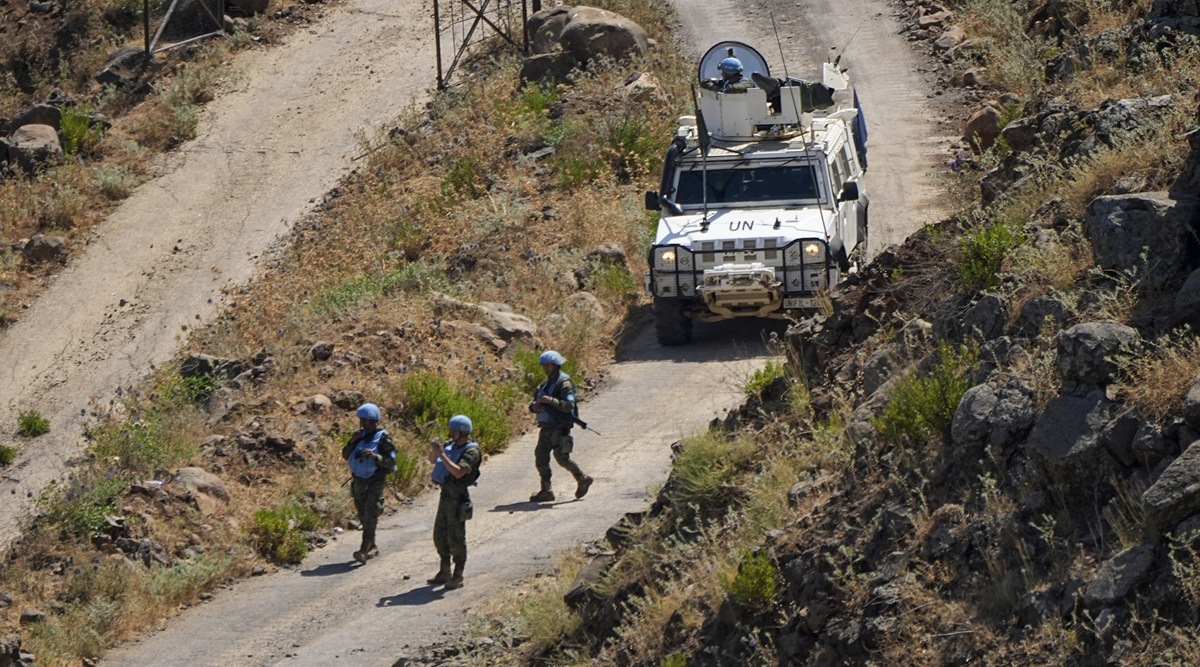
{"x": 31, "y": 424}
{"x": 762, "y": 378}
{"x": 77, "y": 130}
{"x": 616, "y": 281}
{"x": 676, "y": 659}
{"x": 414, "y": 277}
{"x": 278, "y": 532}
{"x": 755, "y": 583}
{"x": 705, "y": 469}
{"x": 81, "y": 509}
{"x": 922, "y": 407}
{"x": 432, "y": 401}
{"x": 407, "y": 466}
{"x": 142, "y": 445}
{"x": 982, "y": 253}
{"x": 7, "y": 455}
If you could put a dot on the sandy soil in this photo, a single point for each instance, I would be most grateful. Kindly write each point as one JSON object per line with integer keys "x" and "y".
{"x": 159, "y": 264}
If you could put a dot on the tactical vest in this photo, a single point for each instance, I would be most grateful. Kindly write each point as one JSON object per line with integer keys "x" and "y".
{"x": 364, "y": 467}
{"x": 441, "y": 474}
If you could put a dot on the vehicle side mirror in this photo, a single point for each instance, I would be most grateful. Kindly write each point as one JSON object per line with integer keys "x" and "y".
{"x": 652, "y": 200}
{"x": 849, "y": 191}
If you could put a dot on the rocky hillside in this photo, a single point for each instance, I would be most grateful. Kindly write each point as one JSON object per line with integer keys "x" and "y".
{"x": 988, "y": 452}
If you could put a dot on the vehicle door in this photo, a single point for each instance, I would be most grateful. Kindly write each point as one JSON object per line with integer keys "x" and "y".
{"x": 851, "y": 210}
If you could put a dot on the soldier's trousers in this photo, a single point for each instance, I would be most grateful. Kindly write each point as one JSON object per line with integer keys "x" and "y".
{"x": 560, "y": 443}
{"x": 450, "y": 532}
{"x": 368, "y": 503}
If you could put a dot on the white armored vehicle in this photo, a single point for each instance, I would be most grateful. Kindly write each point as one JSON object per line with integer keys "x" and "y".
{"x": 761, "y": 199}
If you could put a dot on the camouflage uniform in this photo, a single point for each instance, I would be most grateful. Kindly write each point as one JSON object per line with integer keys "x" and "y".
{"x": 368, "y": 491}
{"x": 450, "y": 526}
{"x": 555, "y": 430}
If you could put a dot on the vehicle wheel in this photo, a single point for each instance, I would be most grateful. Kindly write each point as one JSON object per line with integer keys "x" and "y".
{"x": 671, "y": 326}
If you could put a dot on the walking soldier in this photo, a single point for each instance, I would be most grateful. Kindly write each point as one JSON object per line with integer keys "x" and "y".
{"x": 554, "y": 404}
{"x": 455, "y": 469}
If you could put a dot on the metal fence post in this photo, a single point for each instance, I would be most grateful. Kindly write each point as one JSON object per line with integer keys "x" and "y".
{"x": 146, "y": 25}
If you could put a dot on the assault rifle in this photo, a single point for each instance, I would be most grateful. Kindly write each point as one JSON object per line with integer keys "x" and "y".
{"x": 572, "y": 416}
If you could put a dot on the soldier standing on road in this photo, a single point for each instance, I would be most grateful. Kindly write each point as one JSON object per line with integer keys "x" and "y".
{"x": 371, "y": 456}
{"x": 455, "y": 469}
{"x": 554, "y": 405}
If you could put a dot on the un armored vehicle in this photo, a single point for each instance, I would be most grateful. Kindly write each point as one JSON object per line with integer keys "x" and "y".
{"x": 762, "y": 201}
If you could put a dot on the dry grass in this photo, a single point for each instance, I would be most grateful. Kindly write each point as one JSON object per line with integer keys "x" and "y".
{"x": 1156, "y": 380}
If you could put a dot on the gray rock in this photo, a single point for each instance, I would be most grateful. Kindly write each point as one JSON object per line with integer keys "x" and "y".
{"x": 879, "y": 367}
{"x": 548, "y": 67}
{"x": 1149, "y": 445}
{"x": 33, "y": 146}
{"x": 1118, "y": 437}
{"x": 913, "y": 337}
{"x": 30, "y": 616}
{"x": 585, "y": 304}
{"x": 1038, "y": 313}
{"x": 643, "y": 88}
{"x": 205, "y": 490}
{"x": 1087, "y": 352}
{"x": 610, "y": 253}
{"x": 986, "y": 318}
{"x": 348, "y": 400}
{"x": 973, "y": 78}
{"x": 1119, "y": 575}
{"x": 950, "y": 39}
{"x": 123, "y": 67}
{"x": 580, "y": 591}
{"x": 318, "y": 403}
{"x": 1188, "y": 184}
{"x": 1144, "y": 235}
{"x": 1176, "y": 493}
{"x": 41, "y": 249}
{"x": 1065, "y": 440}
{"x": 1020, "y": 134}
{"x": 994, "y": 415}
{"x": 40, "y": 114}
{"x": 1191, "y": 406}
{"x": 1187, "y": 302}
{"x": 546, "y": 27}
{"x": 592, "y": 34}
{"x": 860, "y": 428}
{"x": 206, "y": 365}
{"x": 322, "y": 351}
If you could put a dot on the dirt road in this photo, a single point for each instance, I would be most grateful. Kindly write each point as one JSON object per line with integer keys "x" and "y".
{"x": 333, "y": 609}
{"x": 157, "y": 266}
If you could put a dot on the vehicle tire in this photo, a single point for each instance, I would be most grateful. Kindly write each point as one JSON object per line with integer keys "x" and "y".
{"x": 671, "y": 326}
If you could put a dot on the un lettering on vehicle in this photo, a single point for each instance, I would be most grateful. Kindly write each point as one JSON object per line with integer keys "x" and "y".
{"x": 741, "y": 225}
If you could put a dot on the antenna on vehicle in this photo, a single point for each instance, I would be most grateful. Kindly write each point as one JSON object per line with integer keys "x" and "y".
{"x": 786, "y": 77}
{"x": 838, "y": 59}
{"x": 703, "y": 140}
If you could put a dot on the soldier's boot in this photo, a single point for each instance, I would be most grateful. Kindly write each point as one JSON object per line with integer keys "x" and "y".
{"x": 372, "y": 552}
{"x": 364, "y": 552}
{"x": 456, "y": 580}
{"x": 543, "y": 496}
{"x": 442, "y": 576}
{"x": 582, "y": 485}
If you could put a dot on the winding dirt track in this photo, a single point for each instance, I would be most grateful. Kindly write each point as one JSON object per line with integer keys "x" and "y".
{"x": 284, "y": 138}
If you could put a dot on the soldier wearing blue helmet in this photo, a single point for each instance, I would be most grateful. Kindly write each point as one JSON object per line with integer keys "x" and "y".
{"x": 371, "y": 456}
{"x": 731, "y": 80}
{"x": 554, "y": 404}
{"x": 455, "y": 469}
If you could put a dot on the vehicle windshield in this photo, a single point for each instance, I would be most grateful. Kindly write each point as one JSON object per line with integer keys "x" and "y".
{"x": 748, "y": 185}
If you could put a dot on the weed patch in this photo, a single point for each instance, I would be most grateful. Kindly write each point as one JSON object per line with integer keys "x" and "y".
{"x": 705, "y": 469}
{"x": 923, "y": 406}
{"x": 1158, "y": 379}
{"x": 279, "y": 532}
{"x": 432, "y": 401}
{"x": 7, "y": 455}
{"x": 31, "y": 424}
{"x": 762, "y": 378}
{"x": 756, "y": 580}
{"x": 81, "y": 509}
{"x": 982, "y": 253}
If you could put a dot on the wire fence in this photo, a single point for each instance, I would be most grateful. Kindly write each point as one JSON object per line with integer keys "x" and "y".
{"x": 467, "y": 32}
{"x": 177, "y": 22}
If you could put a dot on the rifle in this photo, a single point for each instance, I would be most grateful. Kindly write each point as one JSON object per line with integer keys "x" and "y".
{"x": 572, "y": 416}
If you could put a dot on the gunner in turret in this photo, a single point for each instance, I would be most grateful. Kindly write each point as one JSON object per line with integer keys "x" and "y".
{"x": 731, "y": 80}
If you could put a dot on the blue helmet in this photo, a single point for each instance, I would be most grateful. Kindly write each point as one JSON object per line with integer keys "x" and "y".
{"x": 551, "y": 357}
{"x": 461, "y": 423}
{"x": 369, "y": 411}
{"x": 730, "y": 66}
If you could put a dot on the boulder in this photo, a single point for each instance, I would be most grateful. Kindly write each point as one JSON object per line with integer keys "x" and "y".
{"x": 318, "y": 403}
{"x": 1119, "y": 575}
{"x": 950, "y": 39}
{"x": 545, "y": 28}
{"x": 609, "y": 253}
{"x": 205, "y": 489}
{"x": 985, "y": 319}
{"x": 33, "y": 146}
{"x": 347, "y": 399}
{"x": 206, "y": 365}
{"x": 983, "y": 127}
{"x": 123, "y": 66}
{"x": 497, "y": 317}
{"x": 40, "y": 249}
{"x": 1187, "y": 185}
{"x": 1175, "y": 495}
{"x": 1118, "y": 437}
{"x": 548, "y": 67}
{"x": 586, "y": 304}
{"x": 1087, "y": 352}
{"x": 1187, "y": 302}
{"x": 580, "y": 592}
{"x": 644, "y": 89}
{"x": 1150, "y": 446}
{"x": 321, "y": 351}
{"x": 1191, "y": 406}
{"x": 1020, "y": 134}
{"x": 1038, "y": 313}
{"x": 40, "y": 114}
{"x": 1065, "y": 440}
{"x": 973, "y": 78}
{"x": 994, "y": 415}
{"x": 478, "y": 331}
{"x": 1147, "y": 236}
{"x": 30, "y": 616}
{"x": 592, "y": 33}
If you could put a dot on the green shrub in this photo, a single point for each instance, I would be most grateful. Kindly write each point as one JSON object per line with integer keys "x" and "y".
{"x": 278, "y": 532}
{"x": 631, "y": 146}
{"x": 143, "y": 445}
{"x": 614, "y": 280}
{"x": 31, "y": 424}
{"x": 198, "y": 388}
{"x": 7, "y": 455}
{"x": 464, "y": 180}
{"x": 537, "y": 99}
{"x": 677, "y": 659}
{"x": 577, "y": 170}
{"x": 115, "y": 183}
{"x": 982, "y": 253}
{"x": 414, "y": 278}
{"x": 705, "y": 468}
{"x": 756, "y": 581}
{"x": 922, "y": 407}
{"x": 762, "y": 378}
{"x": 432, "y": 401}
{"x": 77, "y": 131}
{"x": 407, "y": 466}
{"x": 80, "y": 510}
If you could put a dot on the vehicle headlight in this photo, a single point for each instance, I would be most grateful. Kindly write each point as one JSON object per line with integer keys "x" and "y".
{"x": 664, "y": 259}
{"x": 668, "y": 255}
{"x": 812, "y": 250}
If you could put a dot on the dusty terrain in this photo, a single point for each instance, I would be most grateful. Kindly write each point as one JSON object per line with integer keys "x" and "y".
{"x": 158, "y": 265}
{"x": 265, "y": 152}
